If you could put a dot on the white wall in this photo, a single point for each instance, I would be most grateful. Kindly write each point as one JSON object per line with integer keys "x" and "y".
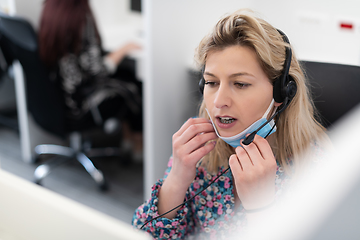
{"x": 113, "y": 11}
{"x": 116, "y": 22}
{"x": 313, "y": 27}
{"x": 174, "y": 28}
{"x": 107, "y": 12}
{"x": 7, "y": 6}
{"x": 29, "y": 9}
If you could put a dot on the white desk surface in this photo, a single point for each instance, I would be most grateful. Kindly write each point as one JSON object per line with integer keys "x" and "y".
{"x": 117, "y": 35}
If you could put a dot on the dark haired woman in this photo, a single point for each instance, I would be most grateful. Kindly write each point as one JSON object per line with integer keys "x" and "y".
{"x": 70, "y": 45}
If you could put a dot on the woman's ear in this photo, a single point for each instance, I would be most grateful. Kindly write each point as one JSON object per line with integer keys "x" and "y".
{"x": 276, "y": 104}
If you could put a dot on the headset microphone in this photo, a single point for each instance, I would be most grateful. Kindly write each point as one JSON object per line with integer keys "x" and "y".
{"x": 250, "y": 138}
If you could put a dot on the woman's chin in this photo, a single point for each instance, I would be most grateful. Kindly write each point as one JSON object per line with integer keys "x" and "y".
{"x": 228, "y": 133}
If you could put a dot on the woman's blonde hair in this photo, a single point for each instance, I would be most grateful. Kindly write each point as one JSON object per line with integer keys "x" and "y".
{"x": 297, "y": 126}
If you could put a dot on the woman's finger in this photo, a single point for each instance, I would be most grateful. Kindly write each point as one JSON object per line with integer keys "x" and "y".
{"x": 201, "y": 152}
{"x": 200, "y": 139}
{"x": 254, "y": 154}
{"x": 264, "y": 147}
{"x": 195, "y": 130}
{"x": 197, "y": 142}
{"x": 235, "y": 165}
{"x": 191, "y": 122}
{"x": 244, "y": 158}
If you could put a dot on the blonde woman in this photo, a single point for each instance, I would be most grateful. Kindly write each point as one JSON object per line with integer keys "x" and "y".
{"x": 251, "y": 80}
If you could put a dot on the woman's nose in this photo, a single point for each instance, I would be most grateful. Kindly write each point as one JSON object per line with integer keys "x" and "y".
{"x": 223, "y": 97}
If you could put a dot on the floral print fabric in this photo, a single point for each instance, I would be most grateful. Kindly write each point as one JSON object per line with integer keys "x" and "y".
{"x": 210, "y": 215}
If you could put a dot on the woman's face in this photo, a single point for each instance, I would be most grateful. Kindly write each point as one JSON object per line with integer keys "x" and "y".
{"x": 237, "y": 92}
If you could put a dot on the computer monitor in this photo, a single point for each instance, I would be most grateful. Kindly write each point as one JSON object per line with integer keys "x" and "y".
{"x": 135, "y": 5}
{"x": 31, "y": 212}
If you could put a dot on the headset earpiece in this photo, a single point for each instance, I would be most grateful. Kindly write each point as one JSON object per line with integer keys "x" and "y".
{"x": 277, "y": 94}
{"x": 202, "y": 85}
{"x": 290, "y": 89}
{"x": 202, "y": 81}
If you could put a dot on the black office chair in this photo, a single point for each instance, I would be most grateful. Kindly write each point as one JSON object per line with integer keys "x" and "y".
{"x": 46, "y": 103}
{"x": 335, "y": 89}
{"x": 8, "y": 116}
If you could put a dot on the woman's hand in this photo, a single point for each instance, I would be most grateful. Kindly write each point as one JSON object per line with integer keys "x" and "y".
{"x": 130, "y": 47}
{"x": 189, "y": 146}
{"x": 117, "y": 56}
{"x": 254, "y": 169}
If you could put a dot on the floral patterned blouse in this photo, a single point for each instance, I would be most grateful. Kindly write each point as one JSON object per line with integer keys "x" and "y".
{"x": 210, "y": 215}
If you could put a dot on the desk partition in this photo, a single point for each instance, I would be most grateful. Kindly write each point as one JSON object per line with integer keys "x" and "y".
{"x": 31, "y": 212}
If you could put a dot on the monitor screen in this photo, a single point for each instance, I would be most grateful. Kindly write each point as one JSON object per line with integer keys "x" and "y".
{"x": 135, "y": 5}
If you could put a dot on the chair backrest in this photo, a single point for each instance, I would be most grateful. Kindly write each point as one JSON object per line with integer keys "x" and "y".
{"x": 18, "y": 41}
{"x": 335, "y": 89}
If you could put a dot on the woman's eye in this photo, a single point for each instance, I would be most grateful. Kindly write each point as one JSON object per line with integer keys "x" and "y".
{"x": 210, "y": 83}
{"x": 241, "y": 85}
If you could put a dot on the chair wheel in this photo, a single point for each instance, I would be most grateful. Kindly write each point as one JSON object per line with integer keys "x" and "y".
{"x": 35, "y": 159}
{"x": 104, "y": 186}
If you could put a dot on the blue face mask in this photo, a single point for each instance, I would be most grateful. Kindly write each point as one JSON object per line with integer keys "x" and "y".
{"x": 234, "y": 141}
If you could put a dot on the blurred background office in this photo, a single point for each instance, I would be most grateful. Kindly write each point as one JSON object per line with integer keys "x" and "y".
{"x": 119, "y": 40}
{"x": 319, "y": 30}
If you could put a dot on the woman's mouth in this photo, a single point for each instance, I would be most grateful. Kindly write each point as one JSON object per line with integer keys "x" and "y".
{"x": 226, "y": 120}
{"x": 222, "y": 122}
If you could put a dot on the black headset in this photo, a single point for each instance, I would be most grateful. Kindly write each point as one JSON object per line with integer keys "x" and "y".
{"x": 284, "y": 86}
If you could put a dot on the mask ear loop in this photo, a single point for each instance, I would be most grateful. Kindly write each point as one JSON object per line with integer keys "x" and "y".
{"x": 269, "y": 109}
{"x": 270, "y": 130}
{"x": 274, "y": 112}
{"x": 277, "y": 112}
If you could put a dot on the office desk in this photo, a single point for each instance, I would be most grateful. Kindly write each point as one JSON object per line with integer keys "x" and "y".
{"x": 117, "y": 35}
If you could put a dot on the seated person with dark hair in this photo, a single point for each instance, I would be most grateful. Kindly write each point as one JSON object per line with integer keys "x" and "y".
{"x": 94, "y": 86}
